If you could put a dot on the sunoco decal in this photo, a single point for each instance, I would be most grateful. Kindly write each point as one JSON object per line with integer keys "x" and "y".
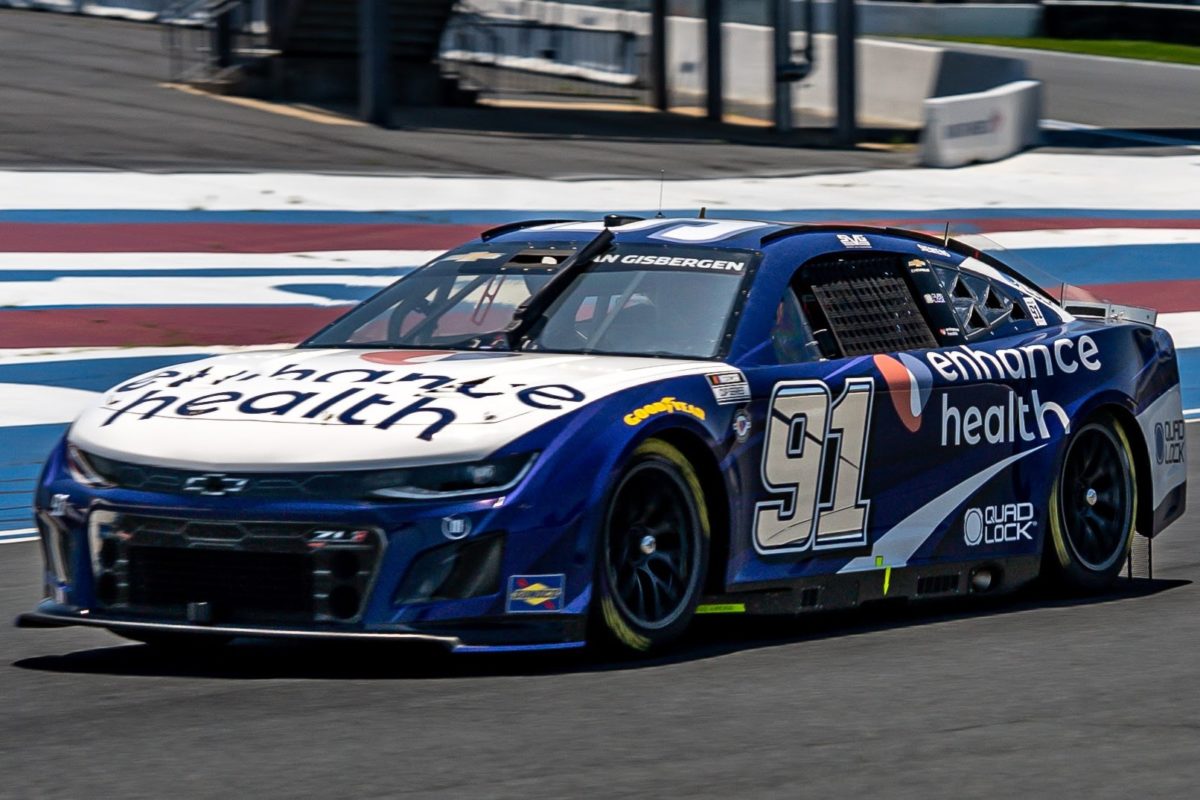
{"x": 535, "y": 593}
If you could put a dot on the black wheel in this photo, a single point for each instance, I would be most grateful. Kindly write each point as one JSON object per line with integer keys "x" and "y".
{"x": 653, "y": 551}
{"x": 1093, "y": 506}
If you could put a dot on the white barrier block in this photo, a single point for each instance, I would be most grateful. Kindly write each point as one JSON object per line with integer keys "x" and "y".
{"x": 982, "y": 126}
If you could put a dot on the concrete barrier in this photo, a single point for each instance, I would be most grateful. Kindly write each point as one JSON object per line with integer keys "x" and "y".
{"x": 980, "y": 126}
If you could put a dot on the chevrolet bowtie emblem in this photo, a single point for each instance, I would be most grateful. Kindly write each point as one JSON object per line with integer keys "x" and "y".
{"x": 214, "y": 484}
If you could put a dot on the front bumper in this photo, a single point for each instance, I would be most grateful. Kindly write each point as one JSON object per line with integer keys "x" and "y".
{"x": 440, "y": 572}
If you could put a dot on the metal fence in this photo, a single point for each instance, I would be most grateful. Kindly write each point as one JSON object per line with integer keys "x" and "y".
{"x": 542, "y": 55}
{"x": 204, "y": 38}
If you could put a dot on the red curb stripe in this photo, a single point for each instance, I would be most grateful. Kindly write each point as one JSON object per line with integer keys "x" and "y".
{"x": 1163, "y": 296}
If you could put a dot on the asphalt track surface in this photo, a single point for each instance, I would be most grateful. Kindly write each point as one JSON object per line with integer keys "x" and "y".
{"x": 1033, "y": 695}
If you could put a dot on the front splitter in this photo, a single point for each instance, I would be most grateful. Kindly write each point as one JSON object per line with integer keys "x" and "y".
{"x": 42, "y": 619}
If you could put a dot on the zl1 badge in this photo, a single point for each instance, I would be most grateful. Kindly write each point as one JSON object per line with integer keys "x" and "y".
{"x": 535, "y": 593}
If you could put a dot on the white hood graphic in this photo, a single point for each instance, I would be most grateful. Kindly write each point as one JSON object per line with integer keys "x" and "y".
{"x": 285, "y": 410}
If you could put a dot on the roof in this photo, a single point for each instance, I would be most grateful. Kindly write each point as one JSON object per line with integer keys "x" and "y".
{"x": 794, "y": 242}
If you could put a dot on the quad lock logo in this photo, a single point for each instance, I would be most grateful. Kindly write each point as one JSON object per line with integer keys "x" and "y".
{"x": 1169, "y": 442}
{"x": 1019, "y": 417}
{"x": 1009, "y": 522}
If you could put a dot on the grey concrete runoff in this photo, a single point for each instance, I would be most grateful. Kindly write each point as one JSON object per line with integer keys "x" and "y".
{"x": 85, "y": 93}
{"x": 1030, "y": 696}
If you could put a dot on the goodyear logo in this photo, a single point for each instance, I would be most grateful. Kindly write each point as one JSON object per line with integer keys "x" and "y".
{"x": 535, "y": 593}
{"x": 667, "y": 405}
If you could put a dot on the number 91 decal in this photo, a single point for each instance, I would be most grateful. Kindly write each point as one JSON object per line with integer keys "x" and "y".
{"x": 814, "y": 451}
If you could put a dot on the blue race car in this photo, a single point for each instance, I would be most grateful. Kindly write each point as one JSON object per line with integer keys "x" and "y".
{"x": 573, "y": 432}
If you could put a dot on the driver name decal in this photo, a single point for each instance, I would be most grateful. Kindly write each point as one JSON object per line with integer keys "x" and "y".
{"x": 715, "y": 264}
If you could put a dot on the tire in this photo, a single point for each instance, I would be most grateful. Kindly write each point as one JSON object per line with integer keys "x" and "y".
{"x": 1093, "y": 507}
{"x": 652, "y": 552}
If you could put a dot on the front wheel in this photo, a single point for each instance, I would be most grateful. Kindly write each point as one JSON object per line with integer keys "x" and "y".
{"x": 1093, "y": 506}
{"x": 653, "y": 550}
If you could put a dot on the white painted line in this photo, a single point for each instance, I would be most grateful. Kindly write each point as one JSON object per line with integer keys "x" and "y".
{"x": 31, "y": 355}
{"x": 348, "y": 259}
{"x": 1063, "y": 180}
{"x": 1184, "y": 327}
{"x": 1093, "y": 237}
{"x": 34, "y": 404}
{"x": 20, "y": 535}
{"x": 117, "y": 291}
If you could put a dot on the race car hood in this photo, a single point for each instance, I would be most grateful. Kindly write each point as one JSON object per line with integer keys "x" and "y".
{"x": 287, "y": 410}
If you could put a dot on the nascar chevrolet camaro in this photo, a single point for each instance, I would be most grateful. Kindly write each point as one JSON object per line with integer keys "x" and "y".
{"x": 590, "y": 432}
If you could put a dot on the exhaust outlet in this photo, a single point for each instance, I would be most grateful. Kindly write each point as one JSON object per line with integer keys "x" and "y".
{"x": 981, "y": 580}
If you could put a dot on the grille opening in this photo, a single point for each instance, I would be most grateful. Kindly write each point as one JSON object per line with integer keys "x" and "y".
{"x": 344, "y": 602}
{"x": 938, "y": 584}
{"x": 233, "y": 582}
{"x": 344, "y": 565}
{"x": 454, "y": 571}
{"x": 866, "y": 304}
{"x": 810, "y": 596}
{"x": 106, "y": 588}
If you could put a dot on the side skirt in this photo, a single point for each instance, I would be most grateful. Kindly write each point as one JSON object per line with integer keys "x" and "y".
{"x": 848, "y": 590}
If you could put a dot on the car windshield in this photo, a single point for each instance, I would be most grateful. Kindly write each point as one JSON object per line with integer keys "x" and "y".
{"x": 655, "y": 300}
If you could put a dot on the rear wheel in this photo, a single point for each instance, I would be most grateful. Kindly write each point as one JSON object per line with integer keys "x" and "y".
{"x": 1093, "y": 506}
{"x": 653, "y": 551}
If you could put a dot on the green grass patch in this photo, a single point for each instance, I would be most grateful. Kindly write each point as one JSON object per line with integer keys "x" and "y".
{"x": 1116, "y": 48}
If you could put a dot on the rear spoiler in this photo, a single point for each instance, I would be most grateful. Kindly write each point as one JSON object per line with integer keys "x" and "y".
{"x": 1111, "y": 313}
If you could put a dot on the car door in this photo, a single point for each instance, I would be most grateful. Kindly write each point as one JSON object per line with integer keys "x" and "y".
{"x": 850, "y": 454}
